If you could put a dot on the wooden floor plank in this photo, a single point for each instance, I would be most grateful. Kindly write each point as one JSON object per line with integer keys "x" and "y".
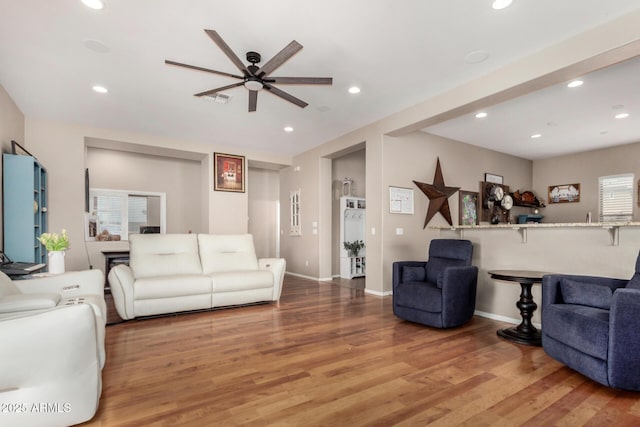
{"x": 330, "y": 355}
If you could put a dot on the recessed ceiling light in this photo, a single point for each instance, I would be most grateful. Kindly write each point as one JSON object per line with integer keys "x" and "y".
{"x": 100, "y": 89}
{"x": 94, "y": 4}
{"x": 536, "y": 135}
{"x": 354, "y": 89}
{"x": 575, "y": 83}
{"x": 481, "y": 115}
{"x": 622, "y": 115}
{"x": 500, "y": 4}
{"x": 288, "y": 129}
{"x": 96, "y": 46}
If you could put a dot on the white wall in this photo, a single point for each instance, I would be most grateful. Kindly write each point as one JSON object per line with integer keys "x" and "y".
{"x": 264, "y": 200}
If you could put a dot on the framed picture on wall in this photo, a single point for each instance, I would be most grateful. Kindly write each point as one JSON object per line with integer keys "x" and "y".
{"x": 565, "y": 193}
{"x": 229, "y": 171}
{"x": 468, "y": 208}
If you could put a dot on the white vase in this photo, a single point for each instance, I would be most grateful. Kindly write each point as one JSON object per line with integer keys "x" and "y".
{"x": 56, "y": 262}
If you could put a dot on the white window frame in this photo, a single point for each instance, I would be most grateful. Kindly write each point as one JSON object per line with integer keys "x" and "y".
{"x": 623, "y": 193}
{"x": 124, "y": 194}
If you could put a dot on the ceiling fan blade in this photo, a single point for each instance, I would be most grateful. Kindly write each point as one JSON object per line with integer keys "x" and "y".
{"x": 227, "y": 50}
{"x": 208, "y": 70}
{"x": 253, "y": 100}
{"x": 284, "y": 95}
{"x": 220, "y": 89}
{"x": 280, "y": 58}
{"x": 301, "y": 80}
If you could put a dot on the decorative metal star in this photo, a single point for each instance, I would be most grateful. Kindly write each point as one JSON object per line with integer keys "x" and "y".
{"x": 438, "y": 195}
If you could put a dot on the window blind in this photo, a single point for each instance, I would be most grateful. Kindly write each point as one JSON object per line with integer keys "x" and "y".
{"x": 616, "y": 198}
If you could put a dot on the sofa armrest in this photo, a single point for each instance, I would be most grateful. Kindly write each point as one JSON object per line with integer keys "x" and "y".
{"x": 50, "y": 357}
{"x": 27, "y": 302}
{"x": 551, "y": 285}
{"x": 624, "y": 341}
{"x": 277, "y": 267}
{"x": 69, "y": 285}
{"x": 459, "y": 287}
{"x": 121, "y": 282}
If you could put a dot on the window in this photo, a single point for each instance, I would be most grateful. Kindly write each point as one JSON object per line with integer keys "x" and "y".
{"x": 123, "y": 212}
{"x": 616, "y": 198}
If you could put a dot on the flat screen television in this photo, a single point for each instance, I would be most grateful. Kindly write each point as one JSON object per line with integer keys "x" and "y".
{"x": 149, "y": 229}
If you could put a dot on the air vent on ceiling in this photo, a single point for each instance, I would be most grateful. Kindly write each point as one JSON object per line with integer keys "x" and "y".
{"x": 220, "y": 98}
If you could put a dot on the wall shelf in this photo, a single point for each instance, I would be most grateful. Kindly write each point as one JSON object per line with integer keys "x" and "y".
{"x": 612, "y": 227}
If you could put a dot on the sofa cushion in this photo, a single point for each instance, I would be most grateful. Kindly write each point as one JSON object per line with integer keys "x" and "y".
{"x": 228, "y": 281}
{"x": 583, "y": 328}
{"x": 26, "y": 302}
{"x": 171, "y": 286}
{"x": 413, "y": 274}
{"x": 419, "y": 295}
{"x": 153, "y": 255}
{"x": 227, "y": 252}
{"x": 589, "y": 294}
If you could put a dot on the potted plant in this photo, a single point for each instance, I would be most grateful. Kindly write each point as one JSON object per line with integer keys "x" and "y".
{"x": 55, "y": 244}
{"x": 353, "y": 247}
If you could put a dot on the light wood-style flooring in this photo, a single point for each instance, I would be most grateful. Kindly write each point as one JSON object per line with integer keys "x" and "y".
{"x": 329, "y": 355}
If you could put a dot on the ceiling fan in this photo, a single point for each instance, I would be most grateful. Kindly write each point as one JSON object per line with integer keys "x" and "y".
{"x": 256, "y": 78}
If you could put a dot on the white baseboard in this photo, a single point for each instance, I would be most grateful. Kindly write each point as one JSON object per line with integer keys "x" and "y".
{"x": 502, "y": 318}
{"x": 377, "y": 293}
{"x": 302, "y": 276}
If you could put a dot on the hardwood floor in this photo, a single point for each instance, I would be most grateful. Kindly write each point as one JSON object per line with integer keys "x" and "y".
{"x": 328, "y": 355}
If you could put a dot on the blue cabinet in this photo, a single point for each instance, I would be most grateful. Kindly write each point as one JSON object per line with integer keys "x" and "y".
{"x": 24, "y": 208}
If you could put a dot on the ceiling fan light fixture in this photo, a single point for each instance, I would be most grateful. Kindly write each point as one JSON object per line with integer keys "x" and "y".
{"x": 253, "y": 83}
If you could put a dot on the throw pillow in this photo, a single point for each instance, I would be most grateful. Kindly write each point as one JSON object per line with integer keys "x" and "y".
{"x": 413, "y": 274}
{"x": 588, "y": 294}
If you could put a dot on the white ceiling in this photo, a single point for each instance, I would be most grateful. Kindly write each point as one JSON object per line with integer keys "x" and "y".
{"x": 399, "y": 52}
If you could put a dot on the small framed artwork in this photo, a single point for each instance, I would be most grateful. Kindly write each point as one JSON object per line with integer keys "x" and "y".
{"x": 90, "y": 227}
{"x": 493, "y": 178}
{"x": 565, "y": 193}
{"x": 229, "y": 171}
{"x": 468, "y": 208}
{"x": 400, "y": 200}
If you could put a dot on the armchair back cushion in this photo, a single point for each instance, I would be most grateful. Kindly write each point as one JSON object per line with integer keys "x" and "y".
{"x": 174, "y": 254}
{"x": 445, "y": 253}
{"x": 227, "y": 252}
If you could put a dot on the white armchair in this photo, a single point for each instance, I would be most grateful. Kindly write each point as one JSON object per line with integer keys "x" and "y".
{"x": 47, "y": 292}
{"x": 52, "y": 348}
{"x": 50, "y": 368}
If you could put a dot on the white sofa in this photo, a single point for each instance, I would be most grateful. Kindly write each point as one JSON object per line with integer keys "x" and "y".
{"x": 169, "y": 273}
{"x": 52, "y": 348}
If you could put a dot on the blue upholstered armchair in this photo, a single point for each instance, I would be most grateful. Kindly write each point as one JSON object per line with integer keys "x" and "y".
{"x": 440, "y": 292}
{"x": 592, "y": 325}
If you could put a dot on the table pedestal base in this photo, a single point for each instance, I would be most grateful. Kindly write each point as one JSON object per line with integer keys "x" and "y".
{"x": 520, "y": 337}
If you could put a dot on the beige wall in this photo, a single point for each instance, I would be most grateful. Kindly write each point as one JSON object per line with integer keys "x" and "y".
{"x": 264, "y": 200}
{"x": 61, "y": 149}
{"x": 584, "y": 169}
{"x": 120, "y": 170}
{"x": 350, "y": 166}
{"x": 11, "y": 128}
